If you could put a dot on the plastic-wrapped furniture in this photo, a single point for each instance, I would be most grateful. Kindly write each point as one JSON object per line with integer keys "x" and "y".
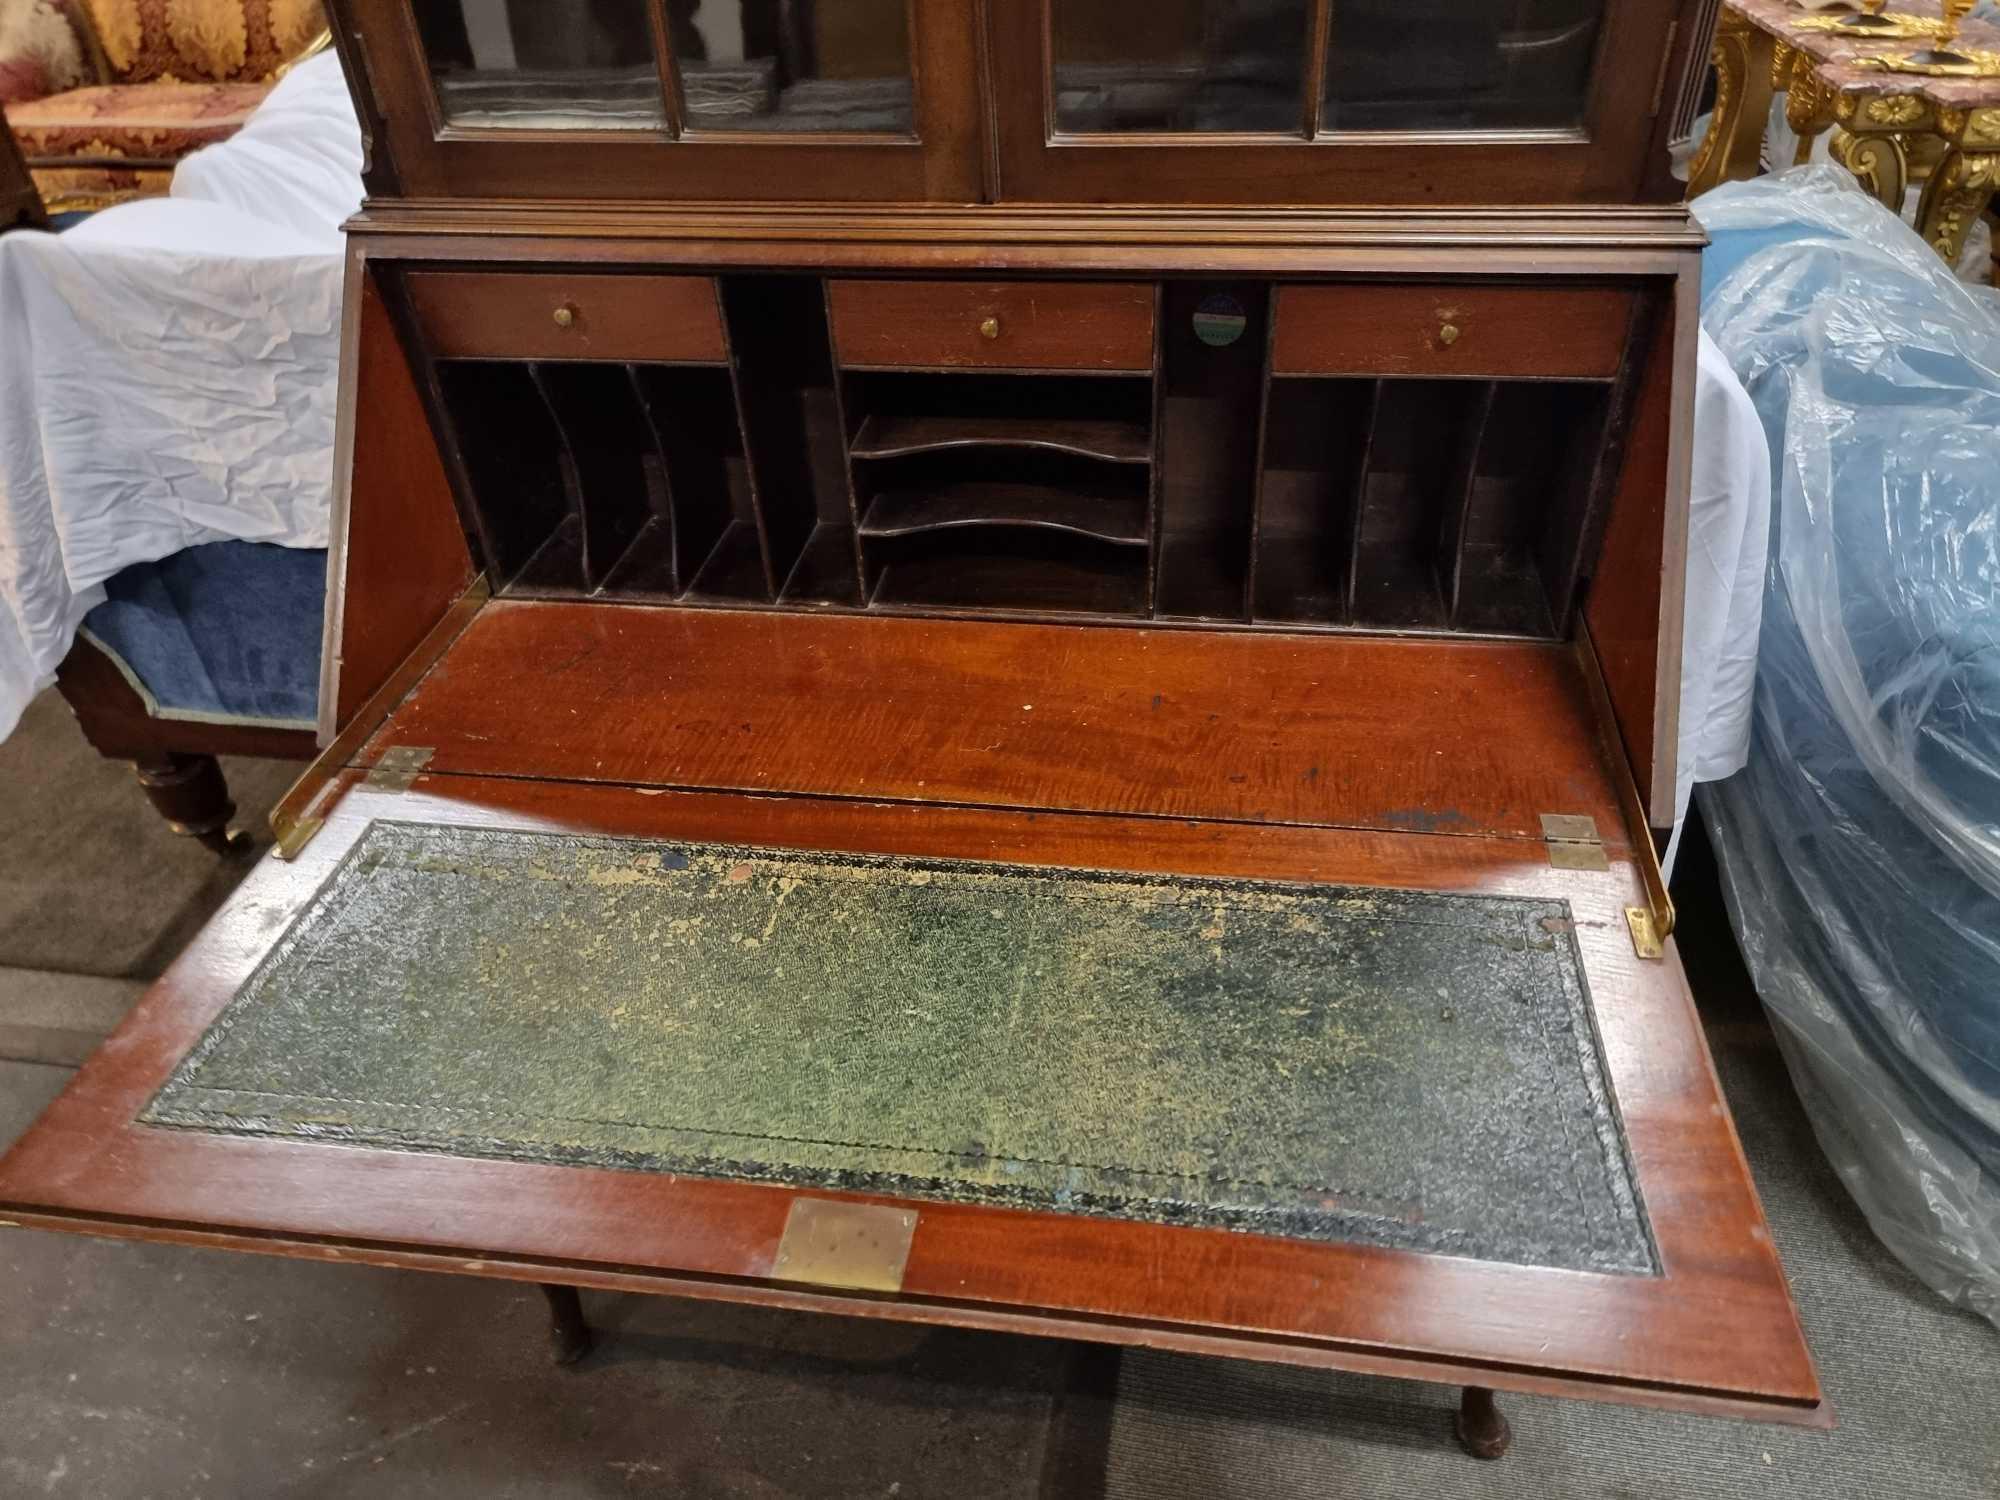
{"x": 1861, "y": 846}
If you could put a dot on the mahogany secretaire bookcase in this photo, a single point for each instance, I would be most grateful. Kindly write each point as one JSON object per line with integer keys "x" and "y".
{"x": 1004, "y": 662}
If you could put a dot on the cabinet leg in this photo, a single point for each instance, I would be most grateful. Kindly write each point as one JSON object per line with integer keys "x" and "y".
{"x": 189, "y": 792}
{"x": 569, "y": 1335}
{"x": 1481, "y": 1427}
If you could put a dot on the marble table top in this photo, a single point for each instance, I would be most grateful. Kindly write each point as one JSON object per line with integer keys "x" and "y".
{"x": 1843, "y": 59}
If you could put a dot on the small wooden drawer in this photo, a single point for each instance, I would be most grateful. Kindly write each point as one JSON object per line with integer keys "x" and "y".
{"x": 557, "y": 315}
{"x": 1494, "y": 331}
{"x": 1005, "y": 325}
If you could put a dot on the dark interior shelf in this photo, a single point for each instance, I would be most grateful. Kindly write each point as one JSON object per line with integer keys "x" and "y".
{"x": 735, "y": 568}
{"x": 1033, "y": 572}
{"x": 555, "y": 567}
{"x": 1211, "y": 491}
{"x": 886, "y": 435}
{"x": 825, "y": 572}
{"x": 1201, "y": 574}
{"x": 1118, "y": 519}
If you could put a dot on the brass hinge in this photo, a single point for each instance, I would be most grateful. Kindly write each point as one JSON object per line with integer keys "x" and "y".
{"x": 397, "y": 767}
{"x": 1573, "y": 842}
{"x": 299, "y": 814}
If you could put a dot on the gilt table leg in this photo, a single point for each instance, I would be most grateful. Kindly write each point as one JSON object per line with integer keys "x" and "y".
{"x": 1963, "y": 182}
{"x": 1481, "y": 1427}
{"x": 1878, "y": 161}
{"x": 1809, "y": 103}
{"x": 1730, "y": 151}
{"x": 569, "y": 1334}
{"x": 189, "y": 792}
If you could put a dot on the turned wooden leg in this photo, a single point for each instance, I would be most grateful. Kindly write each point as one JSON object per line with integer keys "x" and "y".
{"x": 1482, "y": 1429}
{"x": 189, "y": 792}
{"x": 569, "y": 1335}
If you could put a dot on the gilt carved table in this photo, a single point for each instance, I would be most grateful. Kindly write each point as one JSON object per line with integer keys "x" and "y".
{"x": 1890, "y": 127}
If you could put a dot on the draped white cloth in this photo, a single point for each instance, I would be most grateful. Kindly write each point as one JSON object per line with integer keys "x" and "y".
{"x": 168, "y": 370}
{"x": 1729, "y": 539}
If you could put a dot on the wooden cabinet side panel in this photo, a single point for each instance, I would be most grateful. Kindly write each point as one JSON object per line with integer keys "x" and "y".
{"x": 399, "y": 556}
{"x": 1633, "y": 611}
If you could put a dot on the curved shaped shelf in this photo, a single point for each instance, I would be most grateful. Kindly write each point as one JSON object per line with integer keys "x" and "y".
{"x": 1118, "y": 519}
{"x": 1106, "y": 438}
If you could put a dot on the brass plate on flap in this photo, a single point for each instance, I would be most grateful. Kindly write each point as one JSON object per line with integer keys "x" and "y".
{"x": 859, "y": 1246}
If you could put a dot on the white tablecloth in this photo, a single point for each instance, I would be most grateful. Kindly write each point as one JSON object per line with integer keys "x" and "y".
{"x": 168, "y": 370}
{"x": 1729, "y": 538}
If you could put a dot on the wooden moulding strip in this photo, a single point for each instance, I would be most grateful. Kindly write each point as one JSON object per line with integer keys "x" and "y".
{"x": 1638, "y": 826}
{"x": 299, "y": 813}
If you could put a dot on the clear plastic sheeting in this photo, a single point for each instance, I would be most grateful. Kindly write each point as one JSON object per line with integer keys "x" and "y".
{"x": 1860, "y": 846}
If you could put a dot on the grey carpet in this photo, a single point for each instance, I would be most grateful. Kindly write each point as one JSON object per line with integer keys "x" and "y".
{"x": 92, "y": 881}
{"x": 133, "y": 1371}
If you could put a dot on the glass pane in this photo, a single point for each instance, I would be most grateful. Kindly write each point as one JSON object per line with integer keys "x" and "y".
{"x": 1459, "y": 64}
{"x": 1179, "y": 64}
{"x": 543, "y": 64}
{"x": 794, "y": 64}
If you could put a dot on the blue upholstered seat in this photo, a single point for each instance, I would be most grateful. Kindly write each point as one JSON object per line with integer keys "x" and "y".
{"x": 226, "y": 633}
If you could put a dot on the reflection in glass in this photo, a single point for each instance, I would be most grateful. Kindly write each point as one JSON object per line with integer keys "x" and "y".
{"x": 542, "y": 64}
{"x": 1459, "y": 64}
{"x": 803, "y": 65}
{"x": 1179, "y": 65}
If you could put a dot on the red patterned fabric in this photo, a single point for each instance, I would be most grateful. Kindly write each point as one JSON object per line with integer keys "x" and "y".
{"x": 141, "y": 123}
{"x": 221, "y": 41}
{"x": 65, "y": 189}
{"x": 46, "y": 46}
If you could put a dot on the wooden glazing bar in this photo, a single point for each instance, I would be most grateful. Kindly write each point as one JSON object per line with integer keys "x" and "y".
{"x": 1319, "y": 33}
{"x": 673, "y": 105}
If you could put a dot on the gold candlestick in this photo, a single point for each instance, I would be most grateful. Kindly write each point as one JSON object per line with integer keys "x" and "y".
{"x": 1871, "y": 19}
{"x": 1941, "y": 53}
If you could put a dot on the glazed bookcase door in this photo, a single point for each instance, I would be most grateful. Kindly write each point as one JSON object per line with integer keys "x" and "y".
{"x": 1328, "y": 101}
{"x": 674, "y": 99}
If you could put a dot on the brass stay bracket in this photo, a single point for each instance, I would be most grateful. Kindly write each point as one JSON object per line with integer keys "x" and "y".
{"x": 1652, "y": 924}
{"x": 301, "y": 812}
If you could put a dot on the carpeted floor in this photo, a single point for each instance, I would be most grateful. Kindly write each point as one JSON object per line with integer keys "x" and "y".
{"x": 91, "y": 880}
{"x": 146, "y": 1371}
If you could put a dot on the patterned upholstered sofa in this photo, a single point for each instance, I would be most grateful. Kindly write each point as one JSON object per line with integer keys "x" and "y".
{"x": 105, "y": 96}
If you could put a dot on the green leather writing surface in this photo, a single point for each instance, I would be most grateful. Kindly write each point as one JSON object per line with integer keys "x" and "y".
{"x": 1402, "y": 1069}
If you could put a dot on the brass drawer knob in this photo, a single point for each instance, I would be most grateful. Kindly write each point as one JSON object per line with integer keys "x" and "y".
{"x": 990, "y": 329}
{"x": 565, "y": 316}
{"x": 1448, "y": 334}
